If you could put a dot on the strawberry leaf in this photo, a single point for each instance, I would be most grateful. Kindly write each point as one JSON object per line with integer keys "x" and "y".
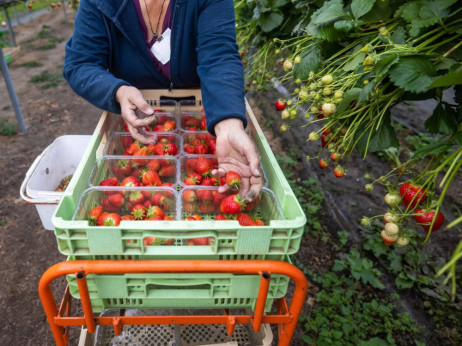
{"x": 349, "y": 97}
{"x": 310, "y": 62}
{"x": 383, "y": 65}
{"x": 413, "y": 73}
{"x": 270, "y": 21}
{"x": 421, "y": 14}
{"x": 433, "y": 149}
{"x": 454, "y": 77}
{"x": 329, "y": 11}
{"x": 361, "y": 7}
{"x": 358, "y": 58}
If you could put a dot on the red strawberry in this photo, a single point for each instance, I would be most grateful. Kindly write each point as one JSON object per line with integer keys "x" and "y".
{"x": 207, "y": 208}
{"x": 130, "y": 181}
{"x": 232, "y": 204}
{"x": 323, "y": 164}
{"x": 167, "y": 171}
{"x": 109, "y": 182}
{"x": 218, "y": 198}
{"x": 204, "y": 195}
{"x": 193, "y": 179}
{"x": 199, "y": 241}
{"x": 150, "y": 178}
{"x": 189, "y": 196}
{"x": 188, "y": 148}
{"x": 201, "y": 149}
{"x": 108, "y": 203}
{"x": 154, "y": 211}
{"x": 126, "y": 218}
{"x": 125, "y": 166}
{"x": 160, "y": 128}
{"x": 165, "y": 148}
{"x": 111, "y": 219}
{"x": 216, "y": 181}
{"x": 233, "y": 179}
{"x": 207, "y": 181}
{"x": 259, "y": 222}
{"x": 212, "y": 146}
{"x": 192, "y": 122}
{"x": 147, "y": 203}
{"x": 94, "y": 214}
{"x": 153, "y": 164}
{"x": 138, "y": 212}
{"x": 126, "y": 141}
{"x": 412, "y": 195}
{"x": 203, "y": 124}
{"x": 203, "y": 166}
{"x": 133, "y": 148}
{"x": 221, "y": 217}
{"x": 425, "y": 220}
{"x": 136, "y": 197}
{"x": 189, "y": 207}
{"x": 245, "y": 220}
{"x": 169, "y": 125}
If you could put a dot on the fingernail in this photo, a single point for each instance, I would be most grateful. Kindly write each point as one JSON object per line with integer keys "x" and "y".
{"x": 150, "y": 111}
{"x": 250, "y": 195}
{"x": 257, "y": 172}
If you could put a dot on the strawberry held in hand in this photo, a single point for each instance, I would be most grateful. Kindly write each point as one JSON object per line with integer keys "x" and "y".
{"x": 233, "y": 179}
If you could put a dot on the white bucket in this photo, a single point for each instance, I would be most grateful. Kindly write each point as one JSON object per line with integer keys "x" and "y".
{"x": 57, "y": 161}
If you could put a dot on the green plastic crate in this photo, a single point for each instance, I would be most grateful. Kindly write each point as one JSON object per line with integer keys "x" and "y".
{"x": 177, "y": 290}
{"x": 280, "y": 237}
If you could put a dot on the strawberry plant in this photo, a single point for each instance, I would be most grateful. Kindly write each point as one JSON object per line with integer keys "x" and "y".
{"x": 347, "y": 63}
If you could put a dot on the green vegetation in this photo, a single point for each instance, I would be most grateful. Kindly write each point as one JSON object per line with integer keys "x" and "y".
{"x": 22, "y": 7}
{"x": 31, "y": 64}
{"x": 46, "y": 80}
{"x": 7, "y": 129}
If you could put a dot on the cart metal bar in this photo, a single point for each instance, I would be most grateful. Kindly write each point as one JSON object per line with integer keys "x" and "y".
{"x": 10, "y": 27}
{"x": 265, "y": 278}
{"x": 286, "y": 322}
{"x": 86, "y": 302}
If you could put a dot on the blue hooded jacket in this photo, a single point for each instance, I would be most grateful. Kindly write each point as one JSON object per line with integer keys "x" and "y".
{"x": 107, "y": 50}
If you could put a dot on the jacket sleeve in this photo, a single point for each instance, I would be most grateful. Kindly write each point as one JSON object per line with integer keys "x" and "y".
{"x": 86, "y": 60}
{"x": 219, "y": 63}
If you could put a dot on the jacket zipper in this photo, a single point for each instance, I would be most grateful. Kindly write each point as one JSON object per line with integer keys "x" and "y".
{"x": 172, "y": 42}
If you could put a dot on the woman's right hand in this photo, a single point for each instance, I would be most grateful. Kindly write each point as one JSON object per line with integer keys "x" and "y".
{"x": 135, "y": 109}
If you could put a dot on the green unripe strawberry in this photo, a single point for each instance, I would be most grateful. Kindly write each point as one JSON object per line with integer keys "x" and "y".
{"x": 327, "y": 79}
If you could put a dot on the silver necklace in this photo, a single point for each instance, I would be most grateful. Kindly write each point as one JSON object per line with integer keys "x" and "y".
{"x": 156, "y": 33}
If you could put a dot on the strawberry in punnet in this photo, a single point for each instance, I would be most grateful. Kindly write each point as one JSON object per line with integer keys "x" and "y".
{"x": 233, "y": 179}
{"x": 153, "y": 164}
{"x": 126, "y": 141}
{"x": 130, "y": 181}
{"x": 126, "y": 218}
{"x": 189, "y": 196}
{"x": 201, "y": 149}
{"x": 207, "y": 181}
{"x": 154, "y": 212}
{"x": 155, "y": 241}
{"x": 139, "y": 212}
{"x": 221, "y": 217}
{"x": 204, "y": 166}
{"x": 101, "y": 218}
{"x": 207, "y": 208}
{"x": 245, "y": 220}
{"x": 159, "y": 199}
{"x": 165, "y": 149}
{"x": 112, "y": 205}
{"x": 215, "y": 181}
{"x": 167, "y": 171}
{"x": 111, "y": 219}
{"x": 232, "y": 204}
{"x": 388, "y": 240}
{"x": 194, "y": 217}
{"x": 150, "y": 178}
{"x": 125, "y": 166}
{"x": 189, "y": 207}
{"x": 193, "y": 179}
{"x": 147, "y": 203}
{"x": 169, "y": 125}
{"x": 136, "y": 197}
{"x": 425, "y": 218}
{"x": 143, "y": 151}
{"x": 412, "y": 195}
{"x": 133, "y": 148}
{"x": 212, "y": 146}
{"x": 94, "y": 214}
{"x": 204, "y": 195}
{"x": 188, "y": 148}
{"x": 203, "y": 124}
{"x": 259, "y": 222}
{"x": 109, "y": 182}
{"x": 159, "y": 128}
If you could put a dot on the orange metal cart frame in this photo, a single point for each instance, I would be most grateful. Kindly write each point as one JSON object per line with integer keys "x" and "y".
{"x": 286, "y": 316}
